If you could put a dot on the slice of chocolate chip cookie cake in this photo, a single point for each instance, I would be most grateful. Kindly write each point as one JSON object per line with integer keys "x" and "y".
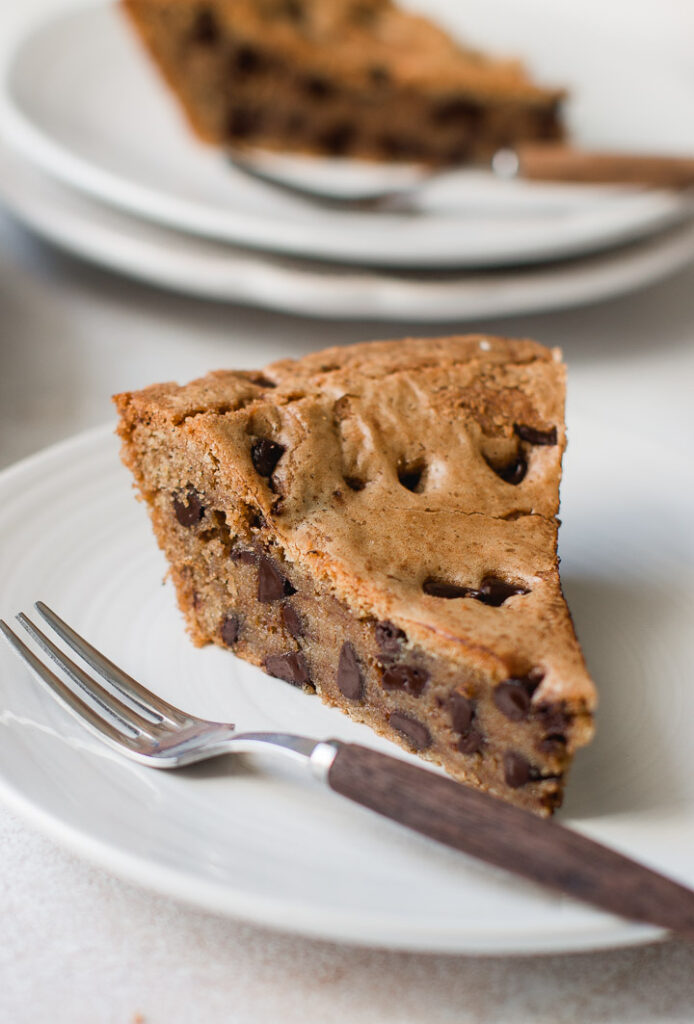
{"x": 339, "y": 77}
{"x": 378, "y": 523}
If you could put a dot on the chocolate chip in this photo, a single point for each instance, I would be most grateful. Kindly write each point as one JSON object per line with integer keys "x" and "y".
{"x": 349, "y": 677}
{"x": 188, "y": 508}
{"x": 410, "y": 474}
{"x": 457, "y": 110}
{"x": 244, "y": 555}
{"x": 293, "y": 10}
{"x": 242, "y": 122}
{"x": 399, "y": 147}
{"x": 205, "y": 30}
{"x": 405, "y": 677}
{"x": 471, "y": 742}
{"x": 230, "y": 629}
{"x": 517, "y": 771}
{"x": 379, "y": 74}
{"x": 390, "y": 640}
{"x": 533, "y": 436}
{"x": 462, "y": 711}
{"x": 292, "y": 621}
{"x": 512, "y": 699}
{"x": 554, "y": 718}
{"x": 553, "y": 745}
{"x": 449, "y": 591}
{"x": 291, "y": 667}
{"x": 248, "y": 61}
{"x": 338, "y": 139}
{"x": 272, "y": 585}
{"x": 494, "y": 591}
{"x": 418, "y": 734}
{"x": 355, "y": 483}
{"x": 513, "y": 472}
{"x": 318, "y": 87}
{"x": 265, "y": 454}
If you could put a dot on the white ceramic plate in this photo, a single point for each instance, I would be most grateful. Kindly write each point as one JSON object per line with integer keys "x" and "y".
{"x": 80, "y": 100}
{"x": 257, "y": 839}
{"x": 212, "y": 270}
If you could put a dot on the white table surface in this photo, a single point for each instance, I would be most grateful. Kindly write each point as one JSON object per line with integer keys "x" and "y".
{"x": 79, "y": 946}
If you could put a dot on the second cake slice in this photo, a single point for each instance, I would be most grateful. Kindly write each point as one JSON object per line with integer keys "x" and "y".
{"x": 378, "y": 523}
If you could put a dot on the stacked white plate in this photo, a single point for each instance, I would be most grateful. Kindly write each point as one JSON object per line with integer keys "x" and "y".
{"x": 98, "y": 160}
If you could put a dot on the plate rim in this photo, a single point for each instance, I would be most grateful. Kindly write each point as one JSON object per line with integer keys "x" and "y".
{"x": 264, "y": 234}
{"x": 650, "y": 260}
{"x": 603, "y": 932}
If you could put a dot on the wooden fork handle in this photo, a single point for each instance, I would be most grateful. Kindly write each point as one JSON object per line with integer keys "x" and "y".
{"x": 510, "y": 838}
{"x": 553, "y": 162}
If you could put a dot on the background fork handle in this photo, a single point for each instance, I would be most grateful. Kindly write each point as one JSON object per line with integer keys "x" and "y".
{"x": 510, "y": 838}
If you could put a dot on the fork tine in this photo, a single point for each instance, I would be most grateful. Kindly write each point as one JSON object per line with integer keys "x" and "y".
{"x": 112, "y": 705}
{"x": 125, "y": 684}
{"x": 104, "y": 729}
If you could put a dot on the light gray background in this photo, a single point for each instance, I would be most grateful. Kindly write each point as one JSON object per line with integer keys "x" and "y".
{"x": 78, "y": 946}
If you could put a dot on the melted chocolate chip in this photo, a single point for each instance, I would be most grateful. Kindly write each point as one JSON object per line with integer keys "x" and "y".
{"x": 205, "y": 30}
{"x": 554, "y": 718}
{"x": 494, "y": 591}
{"x": 457, "y": 110}
{"x": 230, "y": 629}
{"x": 242, "y": 122}
{"x": 292, "y": 621}
{"x": 410, "y": 474}
{"x": 355, "y": 483}
{"x": 449, "y": 591}
{"x": 318, "y": 87}
{"x": 248, "y": 61}
{"x": 405, "y": 677}
{"x": 265, "y": 454}
{"x": 349, "y": 677}
{"x": 379, "y": 74}
{"x": 399, "y": 147}
{"x": 293, "y": 10}
{"x": 553, "y": 745}
{"x": 390, "y": 640}
{"x": 471, "y": 742}
{"x": 517, "y": 770}
{"x": 512, "y": 699}
{"x": 244, "y": 555}
{"x": 533, "y": 436}
{"x": 272, "y": 585}
{"x": 513, "y": 472}
{"x": 418, "y": 734}
{"x": 338, "y": 139}
{"x": 188, "y": 508}
{"x": 462, "y": 711}
{"x": 291, "y": 667}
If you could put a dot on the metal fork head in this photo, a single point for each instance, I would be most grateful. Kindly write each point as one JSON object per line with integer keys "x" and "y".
{"x": 133, "y": 720}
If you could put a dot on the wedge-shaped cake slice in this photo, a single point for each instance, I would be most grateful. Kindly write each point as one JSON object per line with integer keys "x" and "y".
{"x": 378, "y": 523}
{"x": 339, "y": 77}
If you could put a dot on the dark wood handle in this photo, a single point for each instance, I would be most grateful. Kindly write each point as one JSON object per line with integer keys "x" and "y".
{"x": 510, "y": 838}
{"x": 553, "y": 162}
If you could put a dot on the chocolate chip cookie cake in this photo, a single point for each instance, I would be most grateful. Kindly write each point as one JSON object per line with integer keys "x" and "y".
{"x": 339, "y": 77}
{"x": 377, "y": 524}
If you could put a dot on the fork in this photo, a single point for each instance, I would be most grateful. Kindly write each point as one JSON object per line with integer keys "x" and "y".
{"x": 145, "y": 728}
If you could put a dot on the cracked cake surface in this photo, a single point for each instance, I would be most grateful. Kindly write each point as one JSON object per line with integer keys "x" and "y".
{"x": 378, "y": 523}
{"x": 340, "y": 77}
